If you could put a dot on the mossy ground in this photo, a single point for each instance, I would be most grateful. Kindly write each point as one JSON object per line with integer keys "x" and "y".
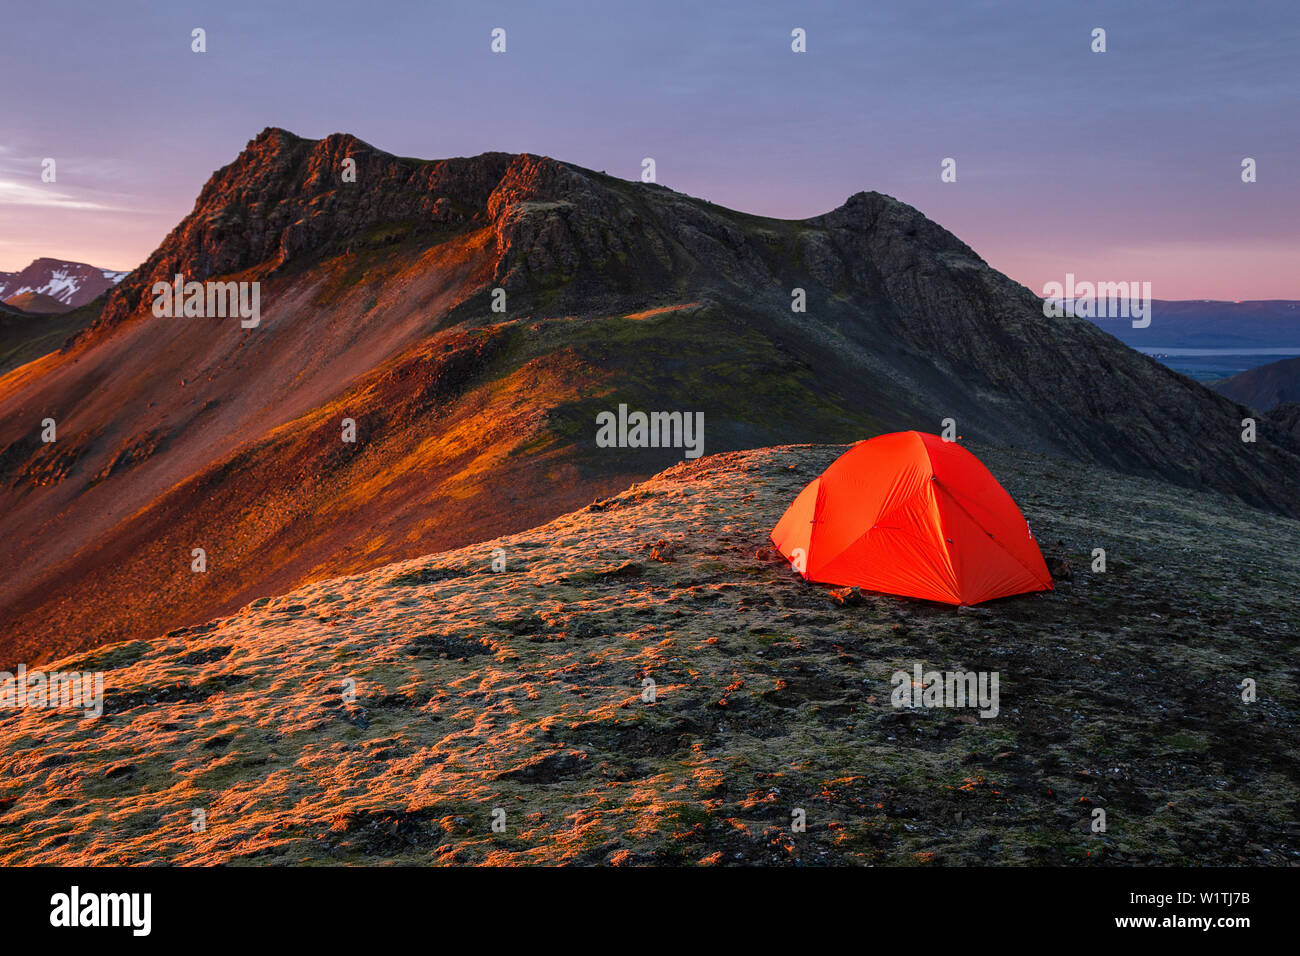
{"x": 522, "y": 691}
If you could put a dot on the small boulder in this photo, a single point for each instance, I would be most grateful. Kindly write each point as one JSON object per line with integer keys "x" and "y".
{"x": 1060, "y": 568}
{"x": 664, "y": 550}
{"x": 847, "y": 597}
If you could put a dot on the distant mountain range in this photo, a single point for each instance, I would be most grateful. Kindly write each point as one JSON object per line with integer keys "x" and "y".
{"x": 56, "y": 285}
{"x": 1266, "y": 387}
{"x": 471, "y": 317}
{"x": 1207, "y": 324}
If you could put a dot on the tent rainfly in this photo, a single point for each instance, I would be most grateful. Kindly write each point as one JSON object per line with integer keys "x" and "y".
{"x": 909, "y": 513}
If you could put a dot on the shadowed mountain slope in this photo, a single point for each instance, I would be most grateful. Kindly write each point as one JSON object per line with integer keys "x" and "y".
{"x": 1287, "y": 417}
{"x": 1265, "y": 387}
{"x": 38, "y": 303}
{"x": 27, "y": 336}
{"x": 376, "y": 306}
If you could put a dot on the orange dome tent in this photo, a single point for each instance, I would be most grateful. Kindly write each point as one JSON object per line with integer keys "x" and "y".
{"x": 911, "y": 514}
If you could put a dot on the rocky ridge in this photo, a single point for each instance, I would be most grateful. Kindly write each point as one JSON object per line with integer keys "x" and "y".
{"x": 377, "y": 308}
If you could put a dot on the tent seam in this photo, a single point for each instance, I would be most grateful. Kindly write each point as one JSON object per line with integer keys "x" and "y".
{"x": 980, "y": 525}
{"x": 865, "y": 534}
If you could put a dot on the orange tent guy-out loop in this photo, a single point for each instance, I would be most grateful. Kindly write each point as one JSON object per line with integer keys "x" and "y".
{"x": 911, "y": 514}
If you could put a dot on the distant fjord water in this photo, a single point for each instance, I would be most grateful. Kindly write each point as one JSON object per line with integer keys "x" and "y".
{"x": 1208, "y": 340}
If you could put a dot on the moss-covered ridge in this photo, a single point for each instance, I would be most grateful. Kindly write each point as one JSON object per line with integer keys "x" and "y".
{"x": 524, "y": 690}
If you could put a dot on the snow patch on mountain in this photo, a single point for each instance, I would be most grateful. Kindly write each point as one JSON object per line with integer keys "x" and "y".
{"x": 71, "y": 283}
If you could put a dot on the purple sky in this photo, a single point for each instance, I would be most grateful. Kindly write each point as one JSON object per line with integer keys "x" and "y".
{"x": 1117, "y": 166}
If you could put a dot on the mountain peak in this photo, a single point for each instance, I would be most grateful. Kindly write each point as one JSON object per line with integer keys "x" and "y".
{"x": 56, "y": 285}
{"x": 274, "y": 137}
{"x": 878, "y": 213}
{"x": 287, "y": 200}
{"x": 560, "y": 239}
{"x": 376, "y": 306}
